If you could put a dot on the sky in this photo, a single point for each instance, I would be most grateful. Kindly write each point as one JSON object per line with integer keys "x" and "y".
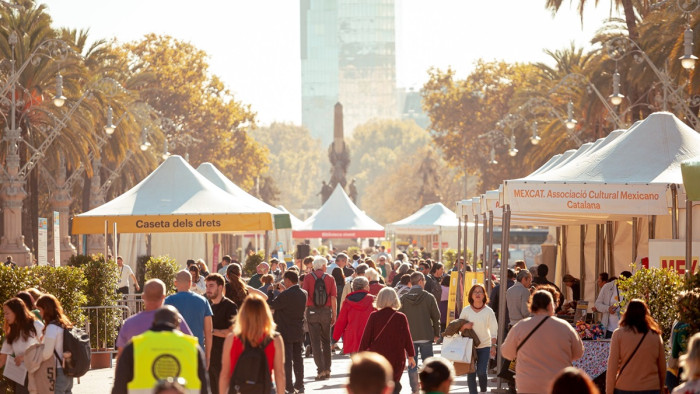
{"x": 253, "y": 45}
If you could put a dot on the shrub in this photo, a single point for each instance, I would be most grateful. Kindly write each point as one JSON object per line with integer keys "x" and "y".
{"x": 251, "y": 263}
{"x": 448, "y": 258}
{"x": 658, "y": 288}
{"x": 141, "y": 269}
{"x": 163, "y": 268}
{"x": 102, "y": 279}
{"x": 354, "y": 250}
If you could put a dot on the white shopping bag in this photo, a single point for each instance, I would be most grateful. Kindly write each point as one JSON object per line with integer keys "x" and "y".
{"x": 457, "y": 348}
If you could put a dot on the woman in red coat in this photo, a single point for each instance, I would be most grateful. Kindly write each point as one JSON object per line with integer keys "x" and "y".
{"x": 387, "y": 333}
{"x": 353, "y": 316}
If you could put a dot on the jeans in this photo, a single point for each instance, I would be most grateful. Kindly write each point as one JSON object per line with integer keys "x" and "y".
{"x": 64, "y": 384}
{"x": 482, "y": 363}
{"x": 293, "y": 360}
{"x": 426, "y": 350}
{"x": 319, "y": 322}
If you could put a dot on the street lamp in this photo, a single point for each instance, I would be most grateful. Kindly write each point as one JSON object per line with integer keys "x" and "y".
{"x": 570, "y": 121}
{"x": 616, "y": 97}
{"x": 109, "y": 127}
{"x": 144, "y": 140}
{"x": 59, "y": 99}
{"x": 535, "y": 139}
{"x": 493, "y": 157}
{"x": 166, "y": 154}
{"x": 688, "y": 59}
{"x": 512, "y": 151}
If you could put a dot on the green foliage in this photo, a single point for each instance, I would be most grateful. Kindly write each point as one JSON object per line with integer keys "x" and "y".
{"x": 353, "y": 250}
{"x": 291, "y": 148}
{"x": 66, "y": 283}
{"x": 448, "y": 258}
{"x": 251, "y": 263}
{"x": 659, "y": 289}
{"x": 141, "y": 269}
{"x": 163, "y": 268}
{"x": 689, "y": 302}
{"x": 322, "y": 250}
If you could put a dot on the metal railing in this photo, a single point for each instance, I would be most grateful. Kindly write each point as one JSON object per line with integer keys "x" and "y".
{"x": 133, "y": 302}
{"x": 102, "y": 324}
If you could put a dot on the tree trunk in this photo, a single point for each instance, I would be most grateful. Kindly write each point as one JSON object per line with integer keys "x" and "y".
{"x": 630, "y": 19}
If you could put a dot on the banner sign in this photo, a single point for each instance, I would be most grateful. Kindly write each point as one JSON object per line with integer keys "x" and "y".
{"x": 591, "y": 198}
{"x": 43, "y": 237}
{"x": 56, "y": 239}
{"x": 670, "y": 254}
{"x": 445, "y": 245}
{"x": 206, "y": 223}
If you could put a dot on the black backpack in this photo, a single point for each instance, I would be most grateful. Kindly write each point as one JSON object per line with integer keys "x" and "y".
{"x": 320, "y": 292}
{"x": 76, "y": 341}
{"x": 252, "y": 372}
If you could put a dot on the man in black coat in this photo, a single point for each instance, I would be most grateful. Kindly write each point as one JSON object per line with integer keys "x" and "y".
{"x": 288, "y": 309}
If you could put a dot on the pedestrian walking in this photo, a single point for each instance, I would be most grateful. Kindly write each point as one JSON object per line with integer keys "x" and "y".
{"x": 542, "y": 345}
{"x": 374, "y": 284}
{"x": 691, "y": 368}
{"x": 21, "y": 331}
{"x": 126, "y": 275}
{"x": 56, "y": 323}
{"x": 353, "y": 315}
{"x": 637, "y": 360}
{"x": 436, "y": 375}
{"x": 153, "y": 298}
{"x": 223, "y": 312}
{"x": 518, "y": 297}
{"x": 482, "y": 320}
{"x": 387, "y": 333}
{"x": 288, "y": 310}
{"x": 195, "y": 309}
{"x": 321, "y": 313}
{"x": 370, "y": 373}
{"x": 253, "y": 329}
{"x": 572, "y": 380}
{"x": 162, "y": 352}
{"x": 421, "y": 310}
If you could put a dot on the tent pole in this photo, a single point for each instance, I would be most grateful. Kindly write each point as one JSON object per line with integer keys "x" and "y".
{"x": 582, "y": 260}
{"x": 609, "y": 241}
{"x": 652, "y": 227}
{"x": 505, "y": 244}
{"x": 563, "y": 248}
{"x": 674, "y": 211}
{"x": 115, "y": 241}
{"x": 597, "y": 256}
{"x": 440, "y": 246}
{"x": 106, "y": 238}
{"x": 635, "y": 240}
{"x": 688, "y": 237}
{"x": 459, "y": 240}
{"x": 485, "y": 259}
{"x": 476, "y": 241}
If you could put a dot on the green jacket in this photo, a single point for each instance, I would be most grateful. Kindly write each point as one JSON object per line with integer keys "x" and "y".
{"x": 422, "y": 313}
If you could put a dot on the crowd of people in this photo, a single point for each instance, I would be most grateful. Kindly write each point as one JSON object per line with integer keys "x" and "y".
{"x": 222, "y": 334}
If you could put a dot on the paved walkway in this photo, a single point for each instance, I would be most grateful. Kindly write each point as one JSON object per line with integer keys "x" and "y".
{"x": 101, "y": 380}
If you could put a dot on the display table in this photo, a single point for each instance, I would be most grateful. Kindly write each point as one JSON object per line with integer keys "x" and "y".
{"x": 595, "y": 357}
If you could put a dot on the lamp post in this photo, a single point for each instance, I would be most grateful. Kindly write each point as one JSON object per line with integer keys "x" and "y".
{"x": 13, "y": 176}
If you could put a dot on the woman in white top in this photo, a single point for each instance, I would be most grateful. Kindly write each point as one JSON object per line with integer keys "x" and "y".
{"x": 21, "y": 330}
{"x": 483, "y": 321}
{"x": 56, "y": 322}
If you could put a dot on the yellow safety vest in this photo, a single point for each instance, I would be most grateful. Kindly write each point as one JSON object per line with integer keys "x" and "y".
{"x": 164, "y": 354}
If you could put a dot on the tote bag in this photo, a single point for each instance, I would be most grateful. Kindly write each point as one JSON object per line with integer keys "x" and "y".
{"x": 458, "y": 348}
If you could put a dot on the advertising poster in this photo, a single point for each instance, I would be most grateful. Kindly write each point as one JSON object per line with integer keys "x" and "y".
{"x": 43, "y": 237}
{"x": 670, "y": 254}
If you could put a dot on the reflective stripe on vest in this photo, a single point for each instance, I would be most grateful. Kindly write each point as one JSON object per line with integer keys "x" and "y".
{"x": 164, "y": 354}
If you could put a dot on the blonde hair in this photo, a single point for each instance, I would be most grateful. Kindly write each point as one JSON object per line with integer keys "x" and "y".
{"x": 387, "y": 297}
{"x": 691, "y": 360}
{"x": 254, "y": 321}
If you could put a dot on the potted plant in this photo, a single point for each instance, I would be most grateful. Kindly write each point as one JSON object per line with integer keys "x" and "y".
{"x": 100, "y": 290}
{"x": 163, "y": 268}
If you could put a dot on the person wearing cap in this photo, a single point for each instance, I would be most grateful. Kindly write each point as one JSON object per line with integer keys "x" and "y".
{"x": 161, "y": 353}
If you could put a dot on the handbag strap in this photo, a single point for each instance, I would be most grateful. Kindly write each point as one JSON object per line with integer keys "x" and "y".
{"x": 385, "y": 324}
{"x": 530, "y": 334}
{"x": 631, "y": 355}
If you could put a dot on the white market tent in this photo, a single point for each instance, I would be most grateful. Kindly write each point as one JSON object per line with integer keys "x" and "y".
{"x": 432, "y": 219}
{"x": 339, "y": 218}
{"x": 625, "y": 181}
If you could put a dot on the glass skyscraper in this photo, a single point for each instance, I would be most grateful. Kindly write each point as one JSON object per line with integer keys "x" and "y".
{"x": 348, "y": 55}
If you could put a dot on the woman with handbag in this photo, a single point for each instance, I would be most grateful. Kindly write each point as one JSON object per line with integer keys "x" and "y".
{"x": 542, "y": 345}
{"x": 387, "y": 333}
{"x": 637, "y": 361}
{"x": 483, "y": 321}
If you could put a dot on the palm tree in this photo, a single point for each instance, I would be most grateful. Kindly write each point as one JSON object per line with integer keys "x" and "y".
{"x": 630, "y": 8}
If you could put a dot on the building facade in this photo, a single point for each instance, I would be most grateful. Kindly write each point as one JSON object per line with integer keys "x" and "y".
{"x": 348, "y": 55}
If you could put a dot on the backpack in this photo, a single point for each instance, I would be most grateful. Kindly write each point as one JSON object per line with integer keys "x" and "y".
{"x": 320, "y": 292}
{"x": 76, "y": 341}
{"x": 252, "y": 372}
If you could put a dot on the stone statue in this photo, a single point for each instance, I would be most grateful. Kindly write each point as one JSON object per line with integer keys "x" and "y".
{"x": 352, "y": 191}
{"x": 338, "y": 152}
{"x": 325, "y": 192}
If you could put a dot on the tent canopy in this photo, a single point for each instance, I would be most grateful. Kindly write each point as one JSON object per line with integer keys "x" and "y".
{"x": 627, "y": 177}
{"x": 296, "y": 222}
{"x": 209, "y": 171}
{"x": 174, "y": 198}
{"x": 339, "y": 218}
{"x": 430, "y": 219}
